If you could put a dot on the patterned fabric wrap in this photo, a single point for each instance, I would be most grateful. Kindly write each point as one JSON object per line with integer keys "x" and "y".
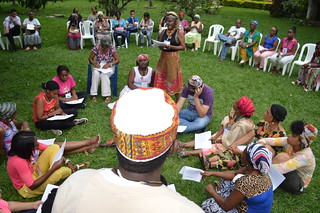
{"x": 259, "y": 157}
{"x": 197, "y": 16}
{"x": 308, "y": 135}
{"x": 195, "y": 81}
{"x": 140, "y": 148}
{"x": 246, "y": 106}
{"x": 7, "y": 109}
{"x": 172, "y": 14}
{"x": 143, "y": 56}
{"x": 255, "y": 22}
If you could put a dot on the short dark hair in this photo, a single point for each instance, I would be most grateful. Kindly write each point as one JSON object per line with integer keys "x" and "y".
{"x": 297, "y": 127}
{"x": 146, "y": 14}
{"x": 117, "y": 12}
{"x": 141, "y": 167}
{"x": 132, "y": 11}
{"x": 13, "y": 10}
{"x": 50, "y": 85}
{"x": 294, "y": 29}
{"x": 62, "y": 68}
{"x": 22, "y": 145}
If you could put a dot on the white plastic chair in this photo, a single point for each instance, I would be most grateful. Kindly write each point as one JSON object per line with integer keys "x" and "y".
{"x": 87, "y": 32}
{"x": 14, "y": 37}
{"x": 310, "y": 50}
{"x": 286, "y": 64}
{"x": 1, "y": 43}
{"x": 267, "y": 58}
{"x": 136, "y": 34}
{"x": 145, "y": 37}
{"x": 317, "y": 87}
{"x": 251, "y": 59}
{"x": 68, "y": 22}
{"x": 214, "y": 30}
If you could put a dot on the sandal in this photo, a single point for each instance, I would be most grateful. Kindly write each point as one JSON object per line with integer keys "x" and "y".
{"x": 80, "y": 121}
{"x": 218, "y": 188}
{"x": 183, "y": 153}
{"x": 94, "y": 99}
{"x": 67, "y": 161}
{"x": 108, "y": 100}
{"x": 109, "y": 143}
{"x": 81, "y": 165}
{"x": 176, "y": 147}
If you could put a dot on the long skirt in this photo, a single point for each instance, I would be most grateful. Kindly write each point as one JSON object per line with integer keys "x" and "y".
{"x": 312, "y": 77}
{"x": 193, "y": 38}
{"x": 32, "y": 39}
{"x": 73, "y": 40}
{"x": 246, "y": 53}
{"x": 168, "y": 75}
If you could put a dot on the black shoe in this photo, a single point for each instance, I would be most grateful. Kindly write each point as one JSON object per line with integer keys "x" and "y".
{"x": 4, "y": 34}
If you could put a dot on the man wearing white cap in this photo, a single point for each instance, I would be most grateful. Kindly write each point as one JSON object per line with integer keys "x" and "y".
{"x": 144, "y": 123}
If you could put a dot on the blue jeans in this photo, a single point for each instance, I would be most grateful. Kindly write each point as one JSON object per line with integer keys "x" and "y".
{"x": 192, "y": 120}
{"x": 149, "y": 35}
{"x": 123, "y": 35}
{"x": 129, "y": 31}
{"x": 225, "y": 46}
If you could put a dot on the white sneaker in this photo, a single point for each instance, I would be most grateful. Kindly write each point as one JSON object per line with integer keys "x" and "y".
{"x": 57, "y": 132}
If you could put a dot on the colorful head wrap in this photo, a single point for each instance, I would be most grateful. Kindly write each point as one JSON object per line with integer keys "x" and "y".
{"x": 197, "y": 16}
{"x": 195, "y": 81}
{"x": 100, "y": 13}
{"x": 278, "y": 112}
{"x": 308, "y": 135}
{"x": 259, "y": 156}
{"x": 144, "y": 123}
{"x": 181, "y": 13}
{"x": 7, "y": 109}
{"x": 142, "y": 56}
{"x": 172, "y": 14}
{"x": 246, "y": 106}
{"x": 255, "y": 22}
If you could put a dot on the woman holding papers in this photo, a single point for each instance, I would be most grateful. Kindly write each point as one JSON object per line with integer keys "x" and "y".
{"x": 104, "y": 66}
{"x": 298, "y": 163}
{"x": 30, "y": 177}
{"x": 46, "y": 108}
{"x": 247, "y": 190}
{"x": 31, "y": 35}
{"x": 67, "y": 90}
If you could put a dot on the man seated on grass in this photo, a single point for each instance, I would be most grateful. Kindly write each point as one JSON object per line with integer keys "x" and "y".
{"x": 199, "y": 112}
{"x": 144, "y": 123}
{"x": 230, "y": 38}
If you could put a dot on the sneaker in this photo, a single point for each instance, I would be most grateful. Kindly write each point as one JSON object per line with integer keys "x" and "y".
{"x": 122, "y": 46}
{"x": 80, "y": 121}
{"x": 57, "y": 132}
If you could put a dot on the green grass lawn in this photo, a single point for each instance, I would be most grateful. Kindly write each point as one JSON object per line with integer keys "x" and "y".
{"x": 23, "y": 72}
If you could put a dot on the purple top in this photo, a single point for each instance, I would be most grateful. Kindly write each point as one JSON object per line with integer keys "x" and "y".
{"x": 206, "y": 98}
{"x": 9, "y": 133}
{"x": 108, "y": 57}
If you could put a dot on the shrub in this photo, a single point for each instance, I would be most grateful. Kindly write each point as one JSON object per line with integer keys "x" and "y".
{"x": 289, "y": 8}
{"x": 260, "y": 5}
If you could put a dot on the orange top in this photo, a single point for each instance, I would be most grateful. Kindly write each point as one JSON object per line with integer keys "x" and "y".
{"x": 48, "y": 105}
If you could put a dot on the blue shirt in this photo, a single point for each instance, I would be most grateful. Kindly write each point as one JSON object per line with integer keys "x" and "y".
{"x": 269, "y": 43}
{"x": 129, "y": 20}
{"x": 120, "y": 22}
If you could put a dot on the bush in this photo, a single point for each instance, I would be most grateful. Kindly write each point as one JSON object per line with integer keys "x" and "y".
{"x": 260, "y": 5}
{"x": 289, "y": 8}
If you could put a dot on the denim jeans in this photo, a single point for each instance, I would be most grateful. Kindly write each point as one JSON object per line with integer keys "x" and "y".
{"x": 123, "y": 35}
{"x": 192, "y": 120}
{"x": 225, "y": 46}
{"x": 129, "y": 31}
{"x": 149, "y": 35}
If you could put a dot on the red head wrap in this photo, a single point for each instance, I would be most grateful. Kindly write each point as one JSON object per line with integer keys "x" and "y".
{"x": 245, "y": 106}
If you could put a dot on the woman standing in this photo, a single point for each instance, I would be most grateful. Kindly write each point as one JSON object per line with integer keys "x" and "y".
{"x": 46, "y": 105}
{"x": 74, "y": 35}
{"x": 269, "y": 45}
{"x": 247, "y": 190}
{"x": 168, "y": 75}
{"x": 194, "y": 36}
{"x": 31, "y": 36}
{"x": 106, "y": 59}
{"x": 30, "y": 178}
{"x": 286, "y": 52}
{"x": 93, "y": 16}
{"x": 249, "y": 42}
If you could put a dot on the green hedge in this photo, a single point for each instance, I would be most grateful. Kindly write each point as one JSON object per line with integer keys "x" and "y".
{"x": 261, "y": 5}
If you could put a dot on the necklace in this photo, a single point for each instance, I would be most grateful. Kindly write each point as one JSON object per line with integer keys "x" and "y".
{"x": 170, "y": 32}
{"x": 267, "y": 128}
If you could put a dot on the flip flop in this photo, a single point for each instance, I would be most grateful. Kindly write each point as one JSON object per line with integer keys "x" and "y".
{"x": 109, "y": 143}
{"x": 81, "y": 165}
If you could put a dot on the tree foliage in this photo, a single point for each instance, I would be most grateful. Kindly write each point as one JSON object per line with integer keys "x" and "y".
{"x": 111, "y": 6}
{"x": 32, "y": 4}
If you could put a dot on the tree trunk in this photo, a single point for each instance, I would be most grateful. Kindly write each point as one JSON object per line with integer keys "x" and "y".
{"x": 312, "y": 10}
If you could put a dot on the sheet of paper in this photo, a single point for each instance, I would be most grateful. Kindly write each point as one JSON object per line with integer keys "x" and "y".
{"x": 261, "y": 48}
{"x": 189, "y": 173}
{"x": 276, "y": 177}
{"x": 59, "y": 117}
{"x": 172, "y": 187}
{"x": 59, "y": 154}
{"x": 241, "y": 147}
{"x": 202, "y": 140}
{"x": 45, "y": 195}
{"x": 30, "y": 26}
{"x": 111, "y": 105}
{"x": 79, "y": 101}
{"x": 104, "y": 71}
{"x": 159, "y": 43}
{"x": 181, "y": 128}
{"x": 47, "y": 141}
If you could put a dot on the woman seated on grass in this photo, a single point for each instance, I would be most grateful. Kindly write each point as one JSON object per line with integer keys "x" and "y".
{"x": 309, "y": 71}
{"x": 9, "y": 126}
{"x": 194, "y": 35}
{"x": 233, "y": 127}
{"x": 67, "y": 90}
{"x": 286, "y": 51}
{"x": 249, "y": 43}
{"x": 140, "y": 76}
{"x": 30, "y": 178}
{"x": 269, "y": 46}
{"x": 247, "y": 190}
{"x": 14, "y": 206}
{"x": 298, "y": 163}
{"x": 46, "y": 105}
{"x": 270, "y": 127}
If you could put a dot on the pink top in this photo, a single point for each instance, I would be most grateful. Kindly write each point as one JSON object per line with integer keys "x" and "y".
{"x": 4, "y": 206}
{"x": 65, "y": 87}
{"x": 289, "y": 45}
{"x": 20, "y": 170}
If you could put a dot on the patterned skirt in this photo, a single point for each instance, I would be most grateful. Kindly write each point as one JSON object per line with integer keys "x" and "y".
{"x": 73, "y": 41}
{"x": 168, "y": 75}
{"x": 32, "y": 39}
